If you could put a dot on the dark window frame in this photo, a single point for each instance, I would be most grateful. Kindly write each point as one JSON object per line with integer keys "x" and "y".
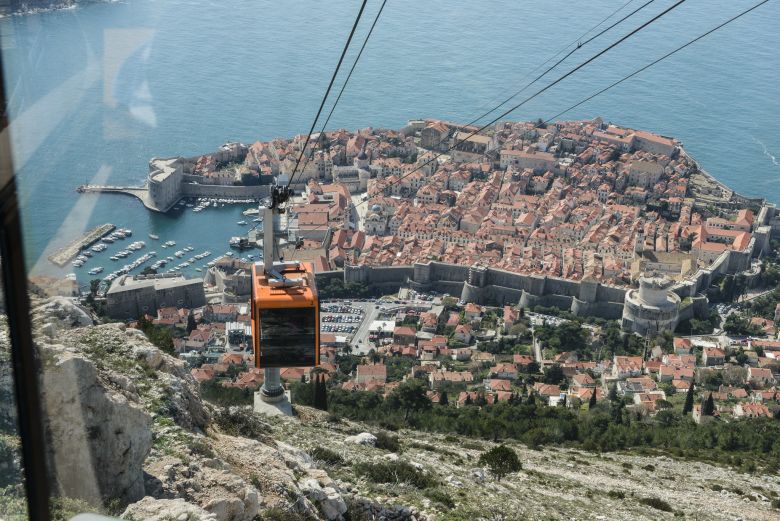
{"x": 26, "y": 367}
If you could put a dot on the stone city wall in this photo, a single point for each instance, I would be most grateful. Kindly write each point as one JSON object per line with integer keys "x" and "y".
{"x": 499, "y": 287}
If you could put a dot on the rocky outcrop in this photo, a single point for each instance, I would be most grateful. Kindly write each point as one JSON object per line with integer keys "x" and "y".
{"x": 151, "y": 509}
{"x": 364, "y": 438}
{"x": 103, "y": 388}
{"x": 95, "y": 433}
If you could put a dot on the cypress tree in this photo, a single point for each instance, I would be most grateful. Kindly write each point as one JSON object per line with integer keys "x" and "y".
{"x": 708, "y": 409}
{"x": 467, "y": 401}
{"x": 444, "y": 399}
{"x": 592, "y": 402}
{"x": 613, "y": 393}
{"x": 317, "y": 394}
{"x": 191, "y": 324}
{"x": 324, "y": 394}
{"x": 315, "y": 391}
{"x": 688, "y": 406}
{"x": 531, "y": 399}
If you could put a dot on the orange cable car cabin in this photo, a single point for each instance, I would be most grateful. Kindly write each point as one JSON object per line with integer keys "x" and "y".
{"x": 285, "y": 316}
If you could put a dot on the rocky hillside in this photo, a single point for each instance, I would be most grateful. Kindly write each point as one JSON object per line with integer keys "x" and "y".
{"x": 128, "y": 421}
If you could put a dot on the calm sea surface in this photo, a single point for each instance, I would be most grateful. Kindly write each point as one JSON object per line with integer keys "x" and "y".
{"x": 96, "y": 91}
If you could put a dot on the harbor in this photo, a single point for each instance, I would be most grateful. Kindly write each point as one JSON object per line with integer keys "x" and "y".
{"x": 186, "y": 241}
{"x": 71, "y": 251}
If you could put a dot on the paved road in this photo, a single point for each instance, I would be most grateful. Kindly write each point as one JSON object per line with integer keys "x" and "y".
{"x": 370, "y": 314}
{"x": 360, "y": 343}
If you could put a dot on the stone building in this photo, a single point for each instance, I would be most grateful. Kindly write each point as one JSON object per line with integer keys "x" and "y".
{"x": 130, "y": 298}
{"x": 164, "y": 181}
{"x": 232, "y": 277}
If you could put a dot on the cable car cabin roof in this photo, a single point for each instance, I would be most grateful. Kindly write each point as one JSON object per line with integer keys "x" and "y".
{"x": 303, "y": 295}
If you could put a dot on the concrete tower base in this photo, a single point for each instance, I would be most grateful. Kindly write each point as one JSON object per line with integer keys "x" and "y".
{"x": 281, "y": 406}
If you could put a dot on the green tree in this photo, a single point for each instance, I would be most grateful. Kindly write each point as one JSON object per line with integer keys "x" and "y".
{"x": 616, "y": 411}
{"x": 688, "y": 406}
{"x": 708, "y": 409}
{"x": 592, "y": 402}
{"x": 501, "y": 461}
{"x": 410, "y": 396}
{"x": 613, "y": 396}
{"x": 159, "y": 336}
{"x": 554, "y": 374}
{"x": 191, "y": 324}
{"x": 320, "y": 392}
{"x": 324, "y": 392}
{"x": 444, "y": 399}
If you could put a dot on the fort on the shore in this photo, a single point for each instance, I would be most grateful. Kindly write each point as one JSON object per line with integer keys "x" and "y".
{"x": 586, "y": 216}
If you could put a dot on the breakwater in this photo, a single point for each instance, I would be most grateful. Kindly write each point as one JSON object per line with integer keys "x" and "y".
{"x": 64, "y": 255}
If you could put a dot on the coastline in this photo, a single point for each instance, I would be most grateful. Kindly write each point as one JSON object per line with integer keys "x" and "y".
{"x": 55, "y": 6}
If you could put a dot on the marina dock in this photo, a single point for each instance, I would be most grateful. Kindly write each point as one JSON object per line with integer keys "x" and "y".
{"x": 63, "y": 256}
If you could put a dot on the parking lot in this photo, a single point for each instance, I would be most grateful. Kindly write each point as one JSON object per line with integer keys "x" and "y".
{"x": 343, "y": 317}
{"x": 340, "y": 318}
{"x": 353, "y": 317}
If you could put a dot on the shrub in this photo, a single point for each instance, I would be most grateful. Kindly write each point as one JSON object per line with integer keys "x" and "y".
{"x": 649, "y": 468}
{"x": 327, "y": 456}
{"x": 441, "y": 497}
{"x": 64, "y": 508}
{"x": 616, "y": 494}
{"x": 202, "y": 447}
{"x": 394, "y": 472}
{"x": 247, "y": 424}
{"x": 256, "y": 482}
{"x": 213, "y": 391}
{"x": 658, "y": 504}
{"x": 501, "y": 461}
{"x": 387, "y": 442}
{"x": 776, "y": 503}
{"x": 716, "y": 487}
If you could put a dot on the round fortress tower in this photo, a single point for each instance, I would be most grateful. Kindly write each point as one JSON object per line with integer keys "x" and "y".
{"x": 653, "y": 308}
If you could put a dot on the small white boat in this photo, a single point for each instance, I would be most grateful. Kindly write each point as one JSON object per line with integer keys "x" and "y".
{"x": 153, "y": 236}
{"x": 241, "y": 223}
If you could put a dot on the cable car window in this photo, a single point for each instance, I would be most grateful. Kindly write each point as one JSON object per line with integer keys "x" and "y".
{"x": 288, "y": 337}
{"x": 11, "y": 479}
